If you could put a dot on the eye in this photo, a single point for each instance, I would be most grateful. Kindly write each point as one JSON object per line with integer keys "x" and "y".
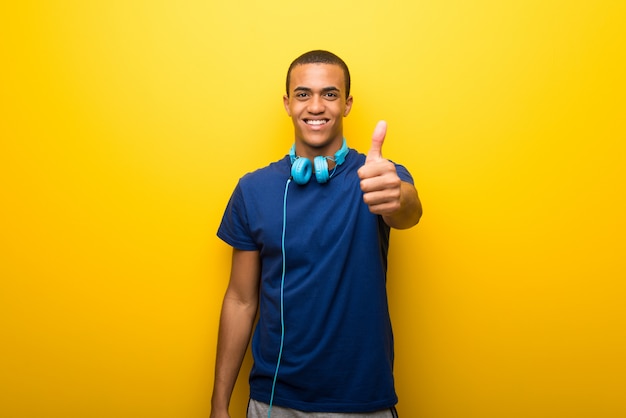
{"x": 331, "y": 95}
{"x": 301, "y": 95}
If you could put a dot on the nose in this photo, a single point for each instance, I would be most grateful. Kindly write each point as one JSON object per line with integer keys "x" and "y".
{"x": 316, "y": 105}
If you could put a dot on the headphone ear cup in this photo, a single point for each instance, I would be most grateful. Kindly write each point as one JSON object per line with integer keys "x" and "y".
{"x": 321, "y": 169}
{"x": 301, "y": 170}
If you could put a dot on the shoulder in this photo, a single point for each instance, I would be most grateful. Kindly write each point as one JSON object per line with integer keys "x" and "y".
{"x": 278, "y": 170}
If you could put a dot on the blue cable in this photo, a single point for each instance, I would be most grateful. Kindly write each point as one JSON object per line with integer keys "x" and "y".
{"x": 282, "y": 306}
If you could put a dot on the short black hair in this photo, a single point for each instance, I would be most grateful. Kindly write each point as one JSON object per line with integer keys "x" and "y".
{"x": 320, "y": 57}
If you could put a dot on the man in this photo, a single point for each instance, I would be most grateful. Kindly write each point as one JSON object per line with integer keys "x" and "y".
{"x": 310, "y": 235}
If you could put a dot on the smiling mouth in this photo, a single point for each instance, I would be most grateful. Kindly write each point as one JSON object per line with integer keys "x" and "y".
{"x": 316, "y": 122}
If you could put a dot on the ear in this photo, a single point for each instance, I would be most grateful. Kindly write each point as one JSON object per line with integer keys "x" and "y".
{"x": 348, "y": 106}
{"x": 286, "y": 104}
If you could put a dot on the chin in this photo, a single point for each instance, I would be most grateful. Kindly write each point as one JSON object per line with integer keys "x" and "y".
{"x": 317, "y": 142}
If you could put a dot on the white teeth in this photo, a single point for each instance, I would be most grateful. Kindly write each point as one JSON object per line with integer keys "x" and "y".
{"x": 316, "y": 122}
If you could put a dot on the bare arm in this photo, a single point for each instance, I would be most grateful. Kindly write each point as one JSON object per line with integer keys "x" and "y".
{"x": 237, "y": 318}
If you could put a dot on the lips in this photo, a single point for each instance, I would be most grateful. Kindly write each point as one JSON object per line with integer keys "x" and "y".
{"x": 316, "y": 122}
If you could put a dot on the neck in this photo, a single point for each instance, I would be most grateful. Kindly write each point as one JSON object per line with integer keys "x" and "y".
{"x": 335, "y": 157}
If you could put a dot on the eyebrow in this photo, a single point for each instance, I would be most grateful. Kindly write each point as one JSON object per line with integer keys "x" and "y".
{"x": 308, "y": 89}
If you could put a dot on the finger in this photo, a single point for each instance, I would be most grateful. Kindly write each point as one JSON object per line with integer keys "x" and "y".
{"x": 375, "y": 152}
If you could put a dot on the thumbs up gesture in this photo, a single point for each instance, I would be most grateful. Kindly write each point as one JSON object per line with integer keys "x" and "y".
{"x": 380, "y": 183}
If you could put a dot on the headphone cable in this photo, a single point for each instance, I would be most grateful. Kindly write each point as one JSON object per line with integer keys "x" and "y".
{"x": 282, "y": 307}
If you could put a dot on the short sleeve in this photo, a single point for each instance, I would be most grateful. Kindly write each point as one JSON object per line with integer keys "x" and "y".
{"x": 234, "y": 228}
{"x": 404, "y": 174}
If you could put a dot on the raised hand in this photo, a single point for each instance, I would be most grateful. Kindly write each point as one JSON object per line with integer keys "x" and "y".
{"x": 380, "y": 183}
{"x": 378, "y": 137}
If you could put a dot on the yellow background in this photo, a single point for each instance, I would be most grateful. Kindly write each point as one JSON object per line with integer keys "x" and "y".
{"x": 125, "y": 125}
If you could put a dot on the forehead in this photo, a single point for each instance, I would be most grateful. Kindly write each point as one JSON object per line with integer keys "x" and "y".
{"x": 317, "y": 76}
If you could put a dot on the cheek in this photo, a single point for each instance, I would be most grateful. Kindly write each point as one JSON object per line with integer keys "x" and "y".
{"x": 293, "y": 110}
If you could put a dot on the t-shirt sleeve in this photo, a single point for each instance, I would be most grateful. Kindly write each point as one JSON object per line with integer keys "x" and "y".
{"x": 234, "y": 228}
{"x": 404, "y": 174}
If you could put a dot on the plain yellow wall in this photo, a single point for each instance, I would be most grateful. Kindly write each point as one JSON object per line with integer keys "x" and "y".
{"x": 125, "y": 125}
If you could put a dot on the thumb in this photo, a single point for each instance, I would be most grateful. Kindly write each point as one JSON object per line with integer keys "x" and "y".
{"x": 375, "y": 152}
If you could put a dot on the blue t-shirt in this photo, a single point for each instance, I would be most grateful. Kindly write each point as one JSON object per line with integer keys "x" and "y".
{"x": 338, "y": 343}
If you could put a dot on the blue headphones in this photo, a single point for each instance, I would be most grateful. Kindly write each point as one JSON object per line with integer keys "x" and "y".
{"x": 301, "y": 169}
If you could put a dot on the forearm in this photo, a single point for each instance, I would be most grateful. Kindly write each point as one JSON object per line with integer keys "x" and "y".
{"x": 410, "y": 210}
{"x": 236, "y": 323}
